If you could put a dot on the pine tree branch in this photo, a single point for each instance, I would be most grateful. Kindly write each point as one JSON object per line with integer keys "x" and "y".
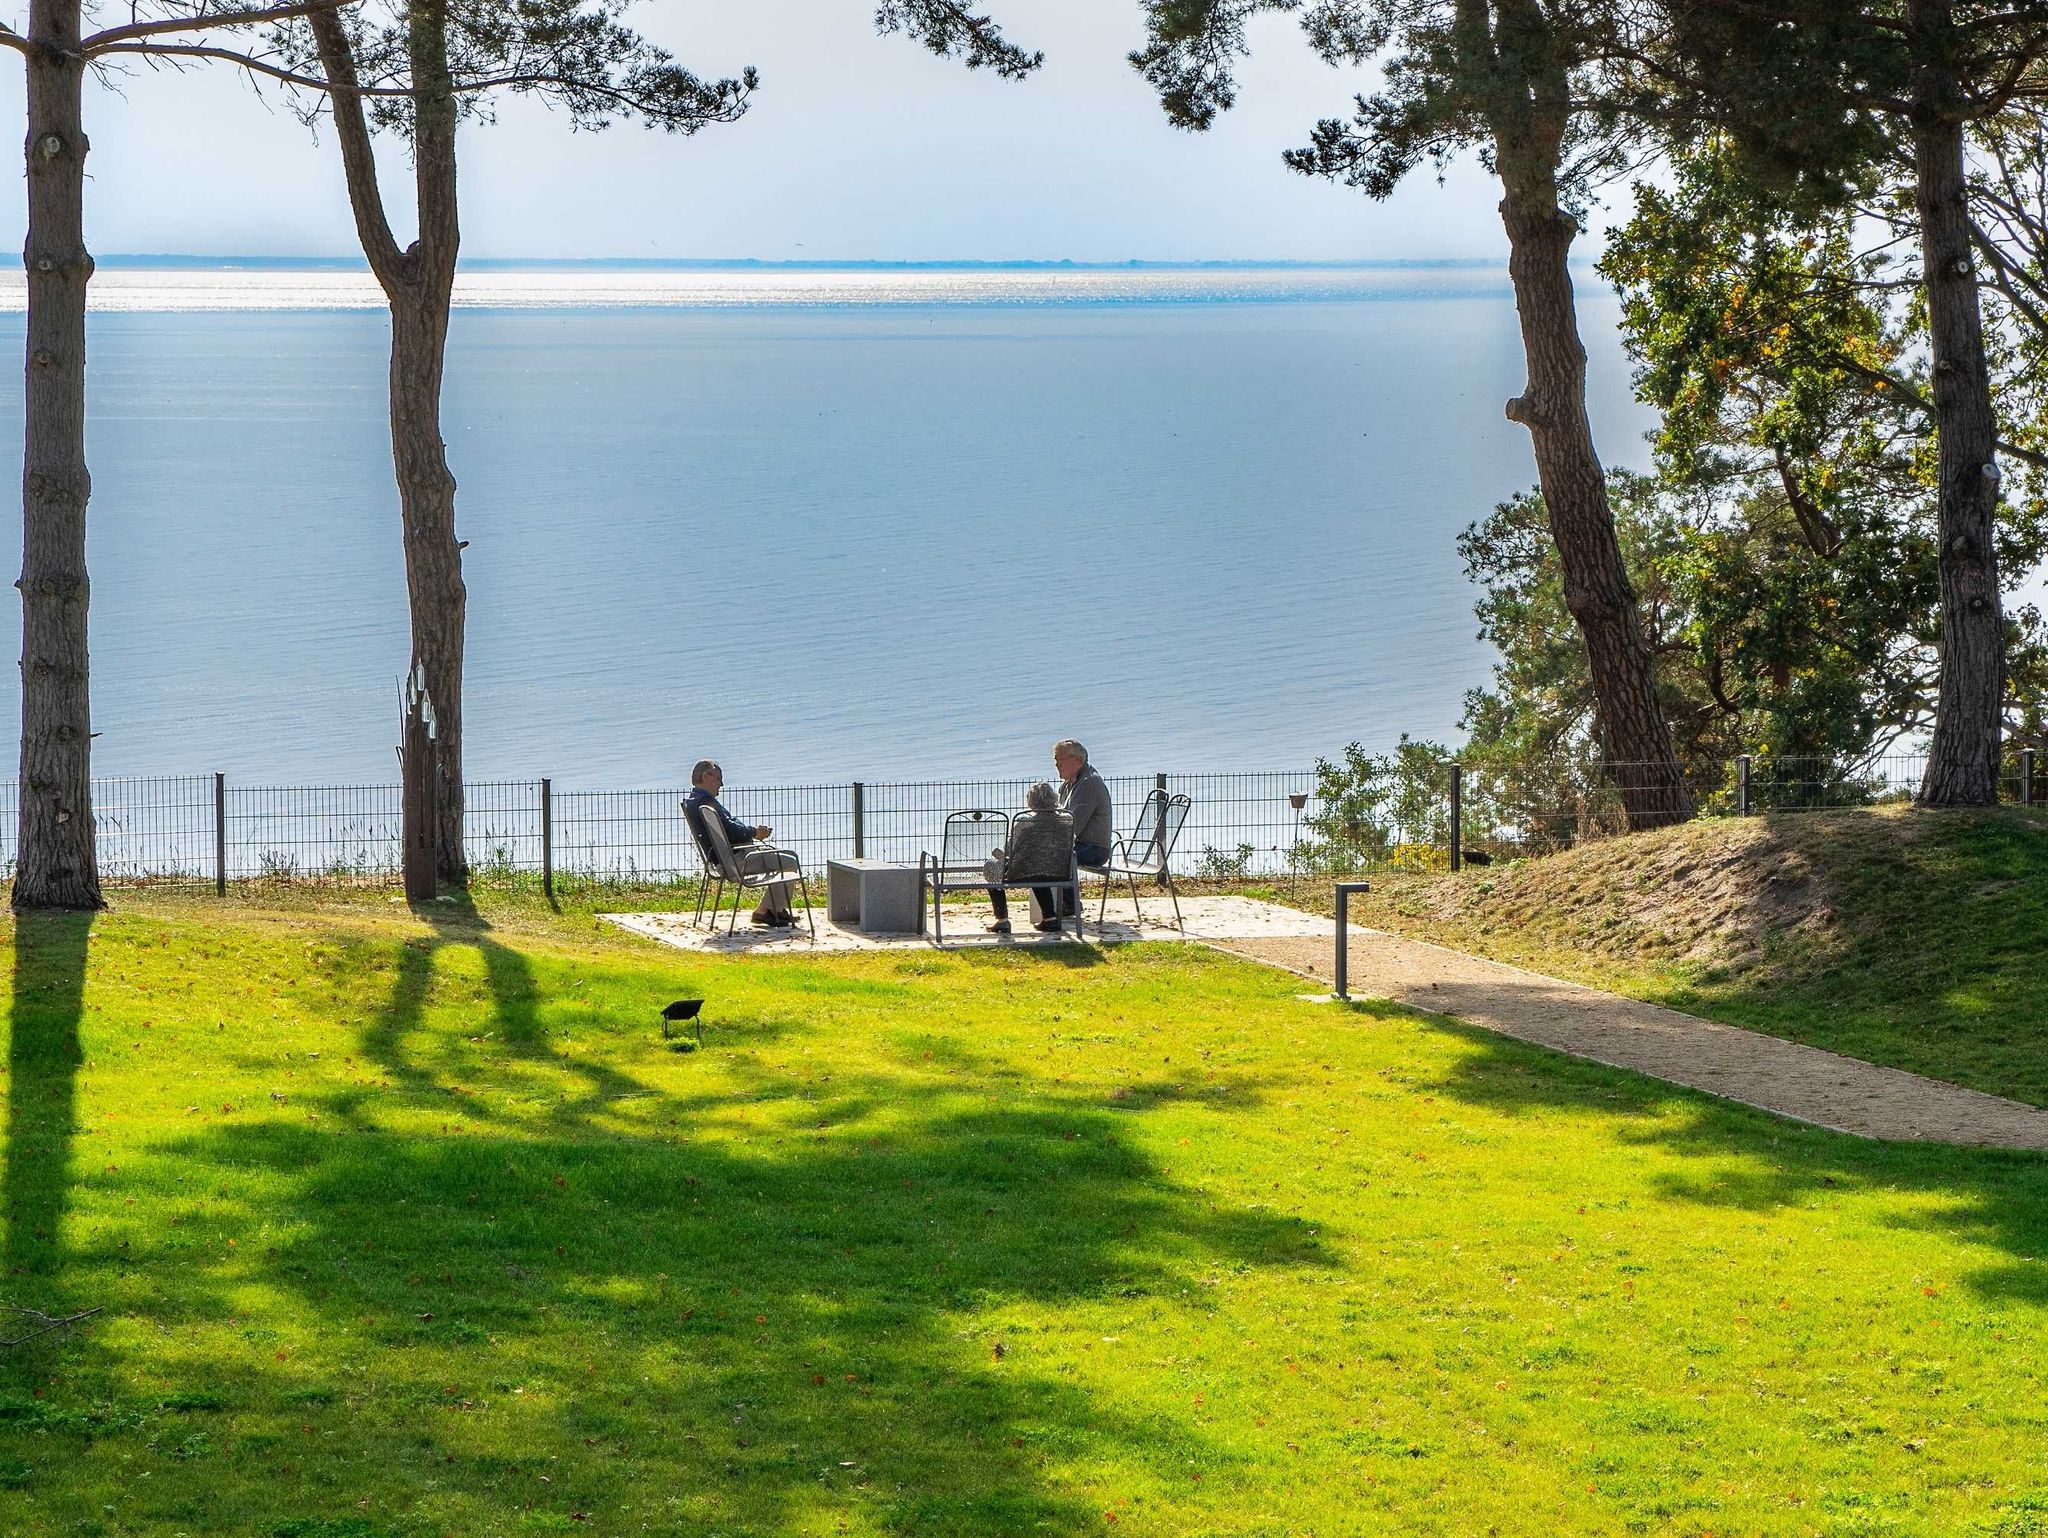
{"x": 240, "y": 60}
{"x": 358, "y": 159}
{"x": 100, "y": 42}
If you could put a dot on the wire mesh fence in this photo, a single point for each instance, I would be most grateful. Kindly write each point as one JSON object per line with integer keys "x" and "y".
{"x": 1357, "y": 816}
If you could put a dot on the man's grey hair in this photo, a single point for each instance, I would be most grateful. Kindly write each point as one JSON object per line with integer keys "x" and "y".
{"x": 706, "y": 767}
{"x": 1066, "y": 747}
{"x": 1042, "y": 797}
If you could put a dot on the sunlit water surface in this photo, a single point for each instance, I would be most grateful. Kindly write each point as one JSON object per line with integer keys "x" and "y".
{"x": 874, "y": 523}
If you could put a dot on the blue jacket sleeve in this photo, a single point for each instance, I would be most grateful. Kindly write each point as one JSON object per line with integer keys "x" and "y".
{"x": 735, "y": 830}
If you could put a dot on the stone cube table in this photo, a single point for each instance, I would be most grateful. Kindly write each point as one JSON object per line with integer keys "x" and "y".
{"x": 874, "y": 896}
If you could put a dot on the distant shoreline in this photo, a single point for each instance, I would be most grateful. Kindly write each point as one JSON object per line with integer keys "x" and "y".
{"x": 176, "y": 262}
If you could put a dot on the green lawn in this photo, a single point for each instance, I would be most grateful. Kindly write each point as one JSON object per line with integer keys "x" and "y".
{"x": 408, "y": 1228}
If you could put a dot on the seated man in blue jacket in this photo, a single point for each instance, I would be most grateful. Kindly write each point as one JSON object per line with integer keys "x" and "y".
{"x": 750, "y": 844}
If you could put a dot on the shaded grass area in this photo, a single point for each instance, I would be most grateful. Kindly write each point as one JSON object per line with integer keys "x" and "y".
{"x": 410, "y": 1226}
{"x": 1911, "y": 938}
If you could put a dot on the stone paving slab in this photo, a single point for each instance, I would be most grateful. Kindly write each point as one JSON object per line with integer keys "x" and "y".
{"x": 1844, "y": 1094}
{"x": 1208, "y": 919}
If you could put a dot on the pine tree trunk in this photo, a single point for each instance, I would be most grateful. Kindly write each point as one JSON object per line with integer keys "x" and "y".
{"x": 57, "y": 866}
{"x": 419, "y": 287}
{"x": 1962, "y": 758}
{"x": 1633, "y": 733}
{"x": 433, "y": 558}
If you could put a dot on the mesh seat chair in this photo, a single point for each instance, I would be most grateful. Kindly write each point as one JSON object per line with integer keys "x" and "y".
{"x": 968, "y": 840}
{"x": 752, "y": 871}
{"x": 709, "y": 874}
{"x": 1147, "y": 852}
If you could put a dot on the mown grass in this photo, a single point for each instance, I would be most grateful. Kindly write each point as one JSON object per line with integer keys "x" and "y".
{"x": 1911, "y": 938}
{"x": 415, "y": 1226}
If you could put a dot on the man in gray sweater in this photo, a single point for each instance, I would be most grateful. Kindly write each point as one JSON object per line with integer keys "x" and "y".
{"x": 1085, "y": 799}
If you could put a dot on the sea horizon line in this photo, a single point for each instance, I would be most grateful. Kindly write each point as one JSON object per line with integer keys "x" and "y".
{"x": 336, "y": 263}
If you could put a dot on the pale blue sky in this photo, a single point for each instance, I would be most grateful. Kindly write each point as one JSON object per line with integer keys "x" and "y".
{"x": 858, "y": 146}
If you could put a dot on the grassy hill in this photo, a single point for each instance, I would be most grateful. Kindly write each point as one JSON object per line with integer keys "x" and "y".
{"x": 1913, "y": 938}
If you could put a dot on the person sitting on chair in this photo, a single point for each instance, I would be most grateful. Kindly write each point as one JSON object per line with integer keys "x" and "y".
{"x": 750, "y": 846}
{"x": 1041, "y": 847}
{"x": 1085, "y": 799}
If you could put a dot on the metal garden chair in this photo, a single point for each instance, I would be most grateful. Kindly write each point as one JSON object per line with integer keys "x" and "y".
{"x": 969, "y": 838}
{"x": 709, "y": 874}
{"x": 1148, "y": 852}
{"x": 752, "y": 871}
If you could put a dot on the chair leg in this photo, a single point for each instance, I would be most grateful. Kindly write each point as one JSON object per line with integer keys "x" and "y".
{"x": 703, "y": 886}
{"x": 809, "y": 918}
{"x": 938, "y": 925}
{"x": 1102, "y": 909}
{"x": 1137, "y": 908}
{"x": 1174, "y": 892}
{"x": 733, "y": 925}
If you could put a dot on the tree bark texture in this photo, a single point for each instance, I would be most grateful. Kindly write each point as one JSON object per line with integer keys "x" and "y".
{"x": 56, "y": 862}
{"x": 419, "y": 286}
{"x": 1962, "y": 757}
{"x": 1528, "y": 107}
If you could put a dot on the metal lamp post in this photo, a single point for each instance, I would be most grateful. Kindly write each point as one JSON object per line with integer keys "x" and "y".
{"x": 1296, "y": 799}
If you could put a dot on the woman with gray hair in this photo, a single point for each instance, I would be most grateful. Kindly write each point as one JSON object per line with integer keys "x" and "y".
{"x": 1041, "y": 848}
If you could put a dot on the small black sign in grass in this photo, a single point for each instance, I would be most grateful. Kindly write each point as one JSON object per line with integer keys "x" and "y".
{"x": 675, "y": 1018}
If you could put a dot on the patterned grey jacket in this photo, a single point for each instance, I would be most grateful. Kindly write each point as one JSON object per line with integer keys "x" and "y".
{"x": 1041, "y": 847}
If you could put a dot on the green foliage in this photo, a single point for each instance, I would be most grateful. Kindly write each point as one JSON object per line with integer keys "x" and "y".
{"x": 1370, "y": 808}
{"x": 1783, "y": 550}
{"x": 577, "y": 56}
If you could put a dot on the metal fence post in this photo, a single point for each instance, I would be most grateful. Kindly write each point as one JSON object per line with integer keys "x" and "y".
{"x": 547, "y": 838}
{"x": 220, "y": 834}
{"x": 2026, "y": 776}
{"x": 1742, "y": 785}
{"x": 1159, "y": 828}
{"x": 1457, "y": 817}
{"x": 860, "y": 819}
{"x": 1344, "y": 891}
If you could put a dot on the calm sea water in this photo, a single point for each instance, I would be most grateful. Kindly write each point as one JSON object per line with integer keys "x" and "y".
{"x": 872, "y": 524}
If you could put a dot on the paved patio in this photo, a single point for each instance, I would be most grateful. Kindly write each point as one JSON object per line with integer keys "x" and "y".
{"x": 1209, "y": 919}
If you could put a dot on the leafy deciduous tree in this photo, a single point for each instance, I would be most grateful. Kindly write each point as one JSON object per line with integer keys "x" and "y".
{"x": 1544, "y": 90}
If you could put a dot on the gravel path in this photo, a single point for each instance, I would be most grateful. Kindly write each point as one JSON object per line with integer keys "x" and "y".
{"x": 1804, "y": 1083}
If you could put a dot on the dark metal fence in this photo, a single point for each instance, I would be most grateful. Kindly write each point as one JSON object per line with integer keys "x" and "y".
{"x": 201, "y": 831}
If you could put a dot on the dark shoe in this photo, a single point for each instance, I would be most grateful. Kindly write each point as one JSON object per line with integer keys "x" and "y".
{"x": 1048, "y": 926}
{"x": 999, "y": 927}
{"x": 764, "y": 920}
{"x": 783, "y": 920}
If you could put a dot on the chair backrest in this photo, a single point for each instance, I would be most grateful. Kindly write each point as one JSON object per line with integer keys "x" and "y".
{"x": 971, "y": 837}
{"x": 1040, "y": 847}
{"x": 1160, "y": 819}
{"x": 724, "y": 862}
{"x": 698, "y": 841}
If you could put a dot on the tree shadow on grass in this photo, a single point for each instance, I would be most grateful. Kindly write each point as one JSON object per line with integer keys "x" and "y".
{"x": 802, "y": 1318}
{"x": 43, "y": 1058}
{"x": 1758, "y": 1162}
{"x": 394, "y": 1036}
{"x": 731, "y": 1309}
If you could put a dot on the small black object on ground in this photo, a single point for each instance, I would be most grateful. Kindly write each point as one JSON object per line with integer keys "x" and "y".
{"x": 674, "y": 1017}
